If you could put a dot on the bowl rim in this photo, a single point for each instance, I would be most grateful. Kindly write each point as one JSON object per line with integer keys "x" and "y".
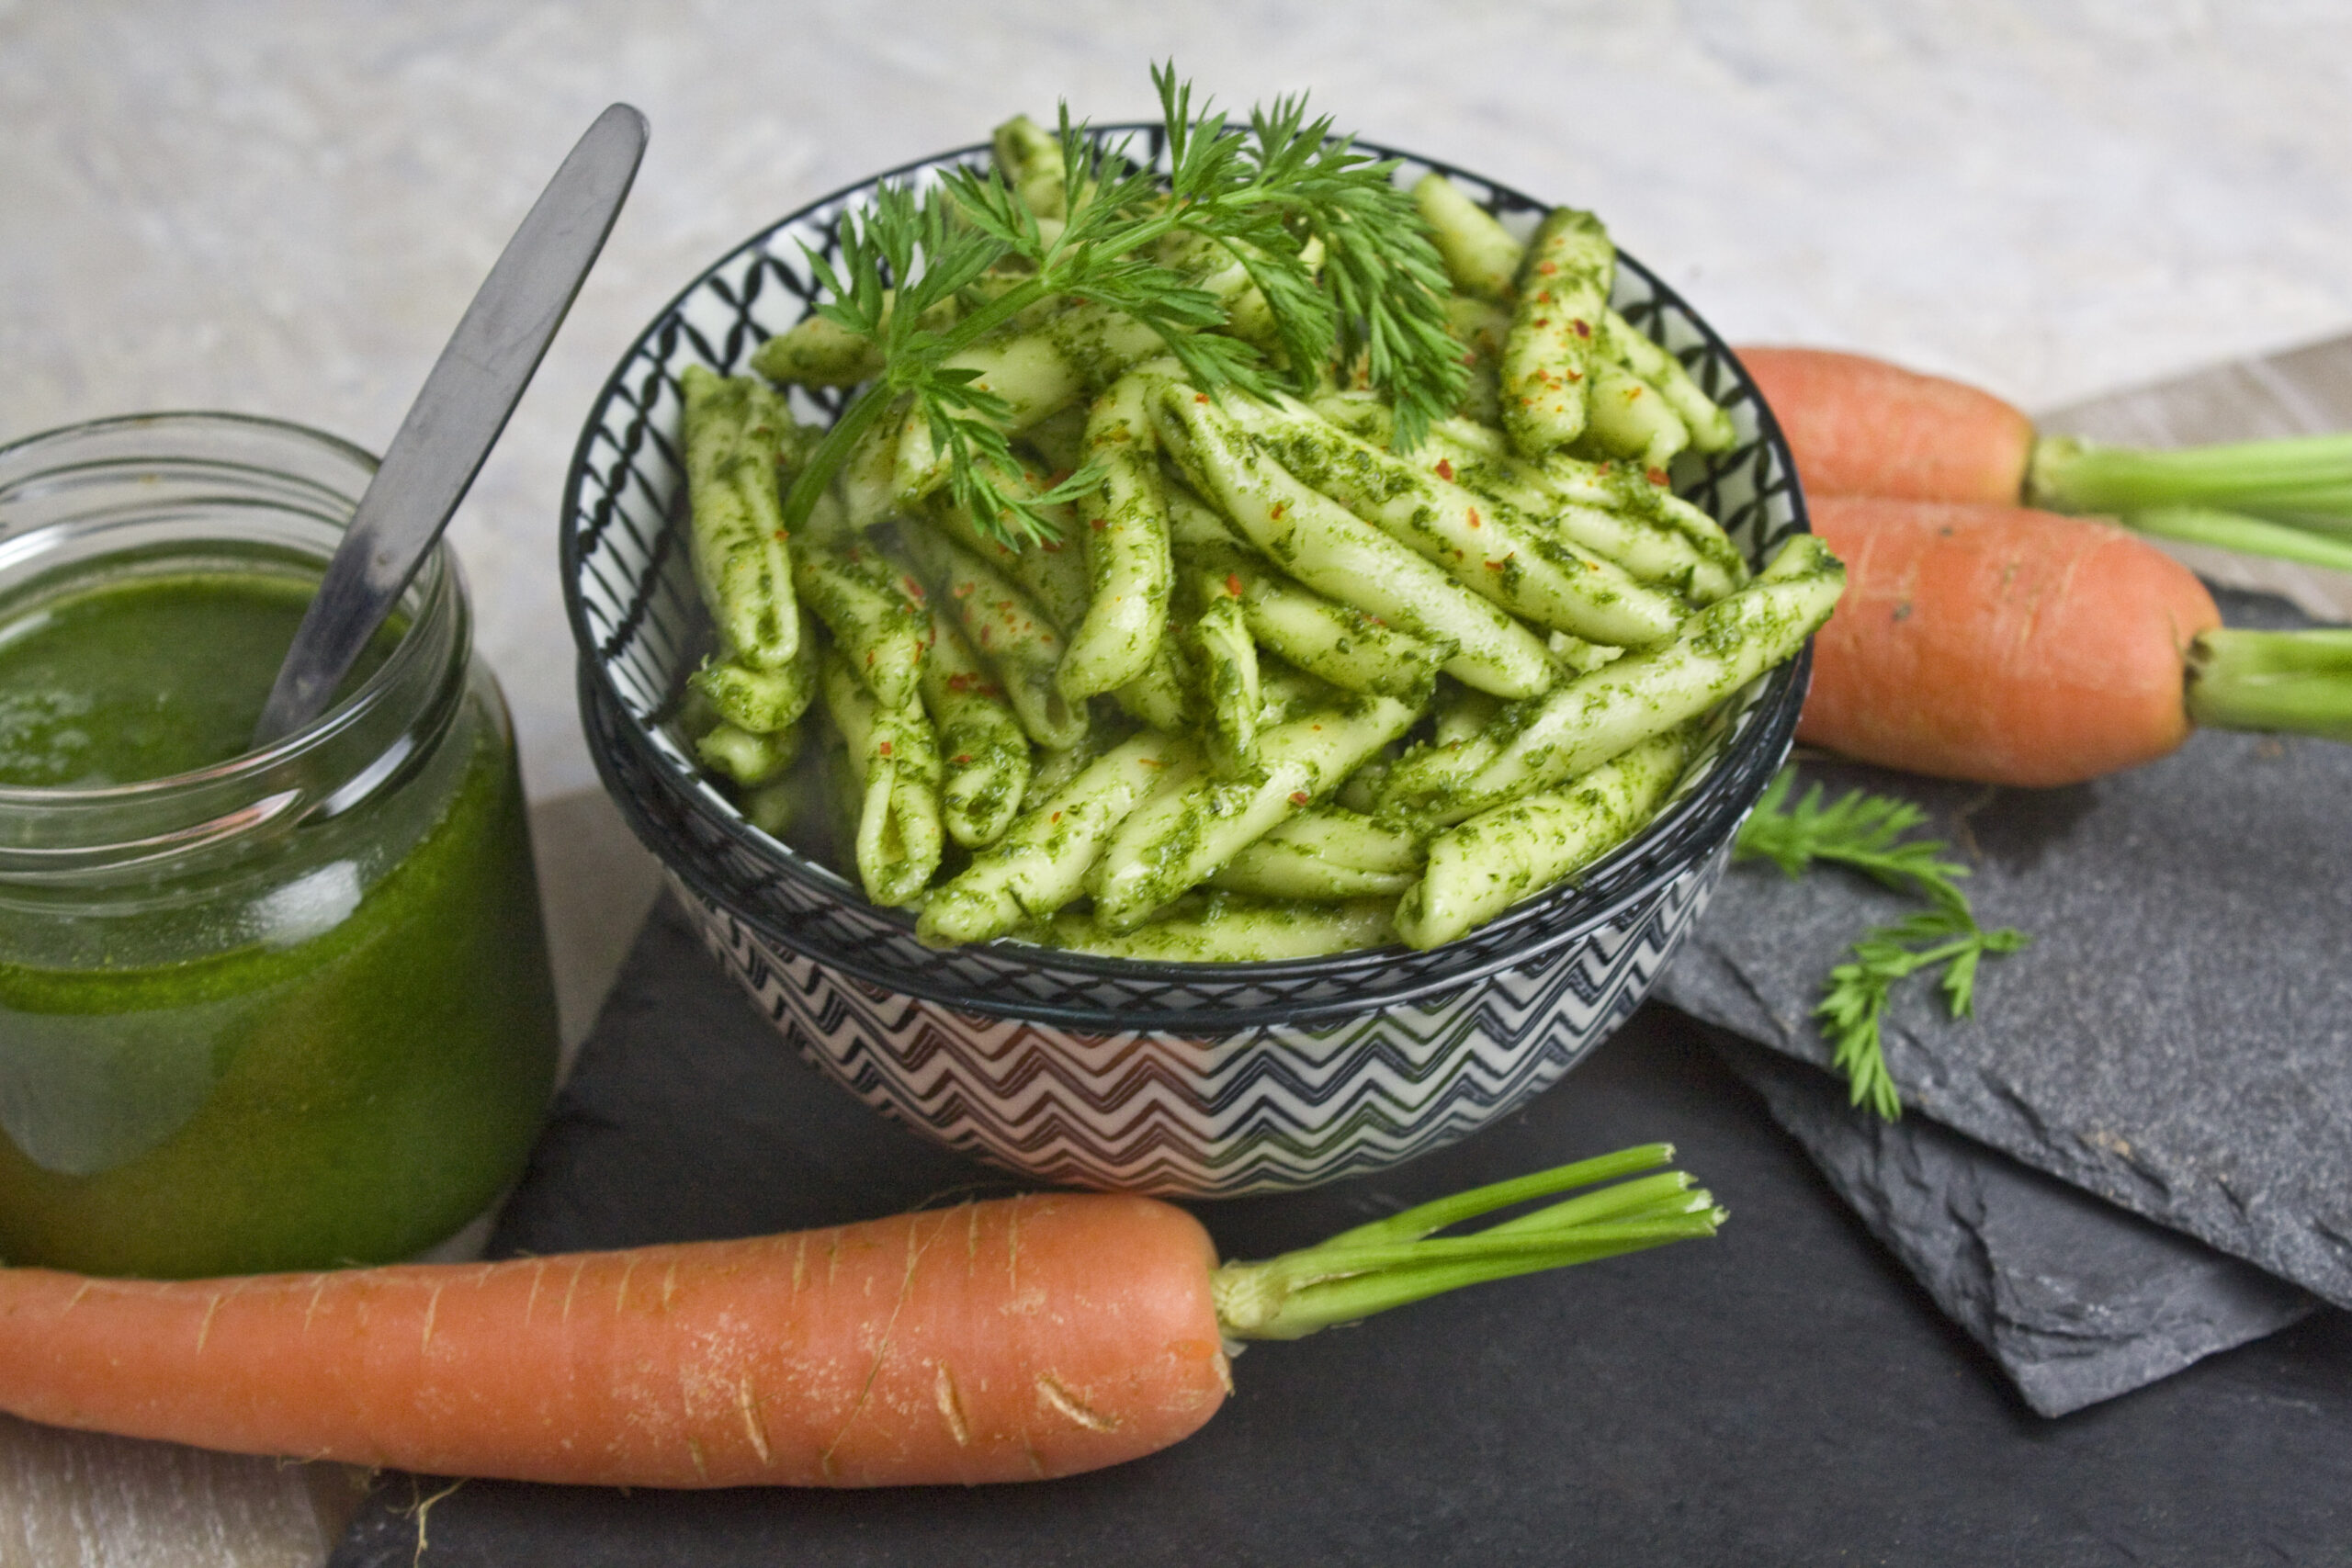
{"x": 1708, "y": 813}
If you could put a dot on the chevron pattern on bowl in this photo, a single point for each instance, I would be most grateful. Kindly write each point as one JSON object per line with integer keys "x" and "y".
{"x": 1181, "y": 1078}
{"x": 1265, "y": 1108}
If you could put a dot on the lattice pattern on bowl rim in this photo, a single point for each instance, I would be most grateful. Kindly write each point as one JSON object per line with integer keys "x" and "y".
{"x": 641, "y": 630}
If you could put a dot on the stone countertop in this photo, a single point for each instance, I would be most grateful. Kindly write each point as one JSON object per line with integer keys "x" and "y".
{"x": 282, "y": 209}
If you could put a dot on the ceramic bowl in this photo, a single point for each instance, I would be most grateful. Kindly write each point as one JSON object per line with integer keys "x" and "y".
{"x": 1193, "y": 1080}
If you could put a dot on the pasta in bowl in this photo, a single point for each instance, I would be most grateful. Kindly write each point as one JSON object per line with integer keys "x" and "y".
{"x": 1075, "y": 1043}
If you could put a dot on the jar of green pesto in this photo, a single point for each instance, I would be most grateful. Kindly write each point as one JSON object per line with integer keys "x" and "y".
{"x": 259, "y": 1009}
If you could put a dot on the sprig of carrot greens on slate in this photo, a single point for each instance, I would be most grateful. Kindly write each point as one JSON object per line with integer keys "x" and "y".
{"x": 1869, "y": 833}
{"x": 1279, "y": 197}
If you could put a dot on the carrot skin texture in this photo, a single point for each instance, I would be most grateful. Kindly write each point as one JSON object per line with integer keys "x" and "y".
{"x": 1999, "y": 644}
{"x": 1860, "y": 426}
{"x": 1011, "y": 1340}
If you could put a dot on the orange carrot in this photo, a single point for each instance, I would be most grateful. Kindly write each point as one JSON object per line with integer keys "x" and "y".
{"x": 1860, "y": 426}
{"x": 2021, "y": 648}
{"x": 1009, "y": 1340}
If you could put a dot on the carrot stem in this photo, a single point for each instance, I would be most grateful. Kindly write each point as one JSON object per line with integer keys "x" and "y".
{"x": 2295, "y": 682}
{"x": 1421, "y": 1219}
{"x": 2068, "y": 474}
{"x": 1392, "y": 1262}
{"x": 2313, "y": 545}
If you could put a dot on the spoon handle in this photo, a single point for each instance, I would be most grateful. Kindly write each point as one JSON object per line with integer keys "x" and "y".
{"x": 458, "y": 416}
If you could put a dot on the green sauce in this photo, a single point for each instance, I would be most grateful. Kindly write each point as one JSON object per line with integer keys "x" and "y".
{"x": 352, "y": 1095}
{"x": 145, "y": 679}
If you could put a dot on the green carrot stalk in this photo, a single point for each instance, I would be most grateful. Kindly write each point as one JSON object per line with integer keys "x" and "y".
{"x": 2295, "y": 682}
{"x": 2069, "y": 474}
{"x": 1392, "y": 1262}
{"x": 2309, "y": 543}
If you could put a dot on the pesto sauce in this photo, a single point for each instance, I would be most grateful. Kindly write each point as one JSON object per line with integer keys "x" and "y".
{"x": 353, "y": 1097}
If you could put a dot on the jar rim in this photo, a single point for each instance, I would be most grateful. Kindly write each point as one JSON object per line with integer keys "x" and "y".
{"x": 439, "y": 630}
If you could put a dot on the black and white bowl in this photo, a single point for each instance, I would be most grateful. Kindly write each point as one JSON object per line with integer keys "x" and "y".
{"x": 1202, "y": 1079}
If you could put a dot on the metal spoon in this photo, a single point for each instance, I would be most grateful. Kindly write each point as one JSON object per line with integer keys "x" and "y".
{"x": 458, "y": 416}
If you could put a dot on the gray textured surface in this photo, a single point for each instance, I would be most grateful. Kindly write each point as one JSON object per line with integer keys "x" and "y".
{"x": 2077, "y": 1300}
{"x": 2178, "y": 1038}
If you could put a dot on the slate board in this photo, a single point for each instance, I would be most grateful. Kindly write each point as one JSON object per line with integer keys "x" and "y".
{"x": 2178, "y": 1038}
{"x": 1784, "y": 1394}
{"x": 2078, "y": 1299}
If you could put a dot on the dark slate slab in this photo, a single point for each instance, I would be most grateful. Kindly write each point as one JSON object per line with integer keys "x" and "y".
{"x": 2078, "y": 1299}
{"x": 1784, "y": 1394}
{"x": 2178, "y": 1039}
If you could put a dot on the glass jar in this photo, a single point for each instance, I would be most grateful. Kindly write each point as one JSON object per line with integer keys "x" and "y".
{"x": 291, "y": 1009}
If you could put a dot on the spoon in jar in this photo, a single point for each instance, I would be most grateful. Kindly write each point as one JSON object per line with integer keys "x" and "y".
{"x": 457, "y": 417}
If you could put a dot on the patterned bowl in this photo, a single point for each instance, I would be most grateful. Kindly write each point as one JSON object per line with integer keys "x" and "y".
{"x": 1197, "y": 1079}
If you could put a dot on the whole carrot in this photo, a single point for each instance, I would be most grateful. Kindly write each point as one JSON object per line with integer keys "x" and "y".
{"x": 1010, "y": 1340}
{"x": 2018, "y": 646}
{"x": 1861, "y": 427}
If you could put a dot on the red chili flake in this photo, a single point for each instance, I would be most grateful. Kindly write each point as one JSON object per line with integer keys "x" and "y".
{"x": 1657, "y": 475}
{"x": 1150, "y": 761}
{"x": 1470, "y": 358}
{"x": 1584, "y": 329}
{"x": 1233, "y": 583}
{"x": 884, "y": 748}
{"x": 1547, "y": 321}
{"x": 1473, "y": 518}
{"x": 963, "y": 759}
{"x": 869, "y": 660}
{"x": 961, "y": 682}
{"x": 963, "y": 590}
{"x": 1375, "y": 620}
{"x": 782, "y": 535}
{"x": 1444, "y": 468}
{"x": 1279, "y": 508}
{"x": 1299, "y": 797}
{"x": 1199, "y": 396}
{"x": 985, "y": 630}
{"x": 1495, "y": 565}
{"x": 1056, "y": 817}
{"x": 1547, "y": 269}
{"x": 1053, "y": 546}
{"x": 914, "y": 589}
{"x": 1576, "y": 375}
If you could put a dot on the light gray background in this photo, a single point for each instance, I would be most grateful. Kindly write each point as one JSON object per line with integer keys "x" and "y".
{"x": 282, "y": 207}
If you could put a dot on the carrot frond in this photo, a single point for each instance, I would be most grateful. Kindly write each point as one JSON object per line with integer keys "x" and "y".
{"x": 1392, "y": 1262}
{"x": 1865, "y": 832}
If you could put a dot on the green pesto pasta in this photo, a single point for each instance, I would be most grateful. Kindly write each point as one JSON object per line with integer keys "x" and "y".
{"x": 1256, "y": 683}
